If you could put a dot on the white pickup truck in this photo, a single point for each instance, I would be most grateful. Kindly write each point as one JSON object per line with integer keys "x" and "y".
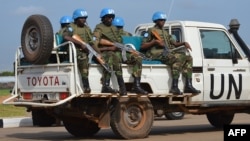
{"x": 49, "y": 85}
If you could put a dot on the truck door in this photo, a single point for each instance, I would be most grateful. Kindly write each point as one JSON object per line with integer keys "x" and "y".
{"x": 224, "y": 77}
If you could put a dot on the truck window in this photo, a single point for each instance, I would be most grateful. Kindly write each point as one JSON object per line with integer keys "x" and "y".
{"x": 217, "y": 45}
{"x": 176, "y": 34}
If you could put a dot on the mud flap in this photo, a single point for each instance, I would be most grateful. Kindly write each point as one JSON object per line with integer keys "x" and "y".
{"x": 104, "y": 120}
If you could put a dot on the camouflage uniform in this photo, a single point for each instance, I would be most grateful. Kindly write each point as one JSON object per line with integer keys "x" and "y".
{"x": 124, "y": 33}
{"x": 109, "y": 56}
{"x": 114, "y": 58}
{"x": 86, "y": 35}
{"x": 135, "y": 61}
{"x": 82, "y": 56}
{"x": 177, "y": 60}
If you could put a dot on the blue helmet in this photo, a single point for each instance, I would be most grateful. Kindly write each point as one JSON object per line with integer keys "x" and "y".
{"x": 107, "y": 11}
{"x": 79, "y": 13}
{"x": 66, "y": 19}
{"x": 118, "y": 21}
{"x": 159, "y": 15}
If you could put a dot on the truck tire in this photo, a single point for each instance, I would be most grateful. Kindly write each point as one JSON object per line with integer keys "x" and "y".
{"x": 79, "y": 127}
{"x": 132, "y": 118}
{"x": 41, "y": 118}
{"x": 175, "y": 115}
{"x": 219, "y": 119}
{"x": 37, "y": 39}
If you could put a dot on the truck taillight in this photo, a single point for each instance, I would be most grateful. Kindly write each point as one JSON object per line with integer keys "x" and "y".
{"x": 27, "y": 96}
{"x": 63, "y": 95}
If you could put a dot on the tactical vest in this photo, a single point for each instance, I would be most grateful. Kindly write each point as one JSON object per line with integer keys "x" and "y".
{"x": 107, "y": 32}
{"x": 84, "y": 32}
{"x": 157, "y": 50}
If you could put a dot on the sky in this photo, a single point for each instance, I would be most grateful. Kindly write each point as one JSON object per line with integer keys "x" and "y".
{"x": 13, "y": 14}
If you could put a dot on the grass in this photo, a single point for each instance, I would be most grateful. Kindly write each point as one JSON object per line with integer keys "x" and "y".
{"x": 4, "y": 92}
{"x": 10, "y": 110}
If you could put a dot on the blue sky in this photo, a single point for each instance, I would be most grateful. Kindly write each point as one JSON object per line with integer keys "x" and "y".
{"x": 13, "y": 14}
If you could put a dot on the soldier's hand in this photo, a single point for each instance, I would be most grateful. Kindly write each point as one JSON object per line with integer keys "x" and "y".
{"x": 84, "y": 48}
{"x": 186, "y": 44}
{"x": 112, "y": 48}
{"x": 159, "y": 43}
{"x": 100, "y": 56}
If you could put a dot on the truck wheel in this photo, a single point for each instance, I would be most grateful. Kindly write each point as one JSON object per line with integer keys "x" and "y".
{"x": 174, "y": 115}
{"x": 220, "y": 118}
{"x": 37, "y": 39}
{"x": 41, "y": 118}
{"x": 132, "y": 118}
{"x": 79, "y": 127}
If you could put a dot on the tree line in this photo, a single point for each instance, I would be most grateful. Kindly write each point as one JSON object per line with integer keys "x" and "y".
{"x": 7, "y": 73}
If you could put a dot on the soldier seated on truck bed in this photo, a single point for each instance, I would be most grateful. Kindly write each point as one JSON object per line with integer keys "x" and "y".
{"x": 157, "y": 42}
{"x": 135, "y": 62}
{"x": 79, "y": 27}
{"x": 106, "y": 31}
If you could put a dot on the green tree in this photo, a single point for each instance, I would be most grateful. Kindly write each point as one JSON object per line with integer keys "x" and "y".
{"x": 6, "y": 73}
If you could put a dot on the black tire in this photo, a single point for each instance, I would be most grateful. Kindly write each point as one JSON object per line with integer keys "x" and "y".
{"x": 219, "y": 119}
{"x": 37, "y": 39}
{"x": 132, "y": 118}
{"x": 79, "y": 127}
{"x": 175, "y": 115}
{"x": 41, "y": 118}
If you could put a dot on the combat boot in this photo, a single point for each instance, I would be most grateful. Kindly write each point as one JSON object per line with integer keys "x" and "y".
{"x": 137, "y": 87}
{"x": 174, "y": 89}
{"x": 122, "y": 87}
{"x": 106, "y": 87}
{"x": 189, "y": 87}
{"x": 86, "y": 87}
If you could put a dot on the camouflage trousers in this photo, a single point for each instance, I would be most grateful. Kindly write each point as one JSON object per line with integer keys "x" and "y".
{"x": 114, "y": 62}
{"x": 82, "y": 63}
{"x": 133, "y": 60}
{"x": 179, "y": 63}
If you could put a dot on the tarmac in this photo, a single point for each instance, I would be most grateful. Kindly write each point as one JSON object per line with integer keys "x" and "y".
{"x": 16, "y": 122}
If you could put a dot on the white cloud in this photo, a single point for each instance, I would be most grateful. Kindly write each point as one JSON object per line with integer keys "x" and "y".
{"x": 29, "y": 10}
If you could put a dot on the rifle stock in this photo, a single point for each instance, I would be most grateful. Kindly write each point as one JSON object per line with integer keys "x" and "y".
{"x": 92, "y": 52}
{"x": 106, "y": 42}
{"x": 157, "y": 36}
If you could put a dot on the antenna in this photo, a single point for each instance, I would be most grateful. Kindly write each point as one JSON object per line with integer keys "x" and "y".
{"x": 170, "y": 9}
{"x": 169, "y": 12}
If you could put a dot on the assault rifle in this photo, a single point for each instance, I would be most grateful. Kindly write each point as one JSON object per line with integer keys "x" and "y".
{"x": 92, "y": 53}
{"x": 166, "y": 49}
{"x": 124, "y": 48}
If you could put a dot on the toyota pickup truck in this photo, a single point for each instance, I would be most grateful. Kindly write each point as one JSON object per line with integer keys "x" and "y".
{"x": 47, "y": 81}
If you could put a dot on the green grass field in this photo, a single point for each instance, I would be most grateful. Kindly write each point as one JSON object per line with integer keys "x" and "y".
{"x": 10, "y": 110}
{"x": 4, "y": 92}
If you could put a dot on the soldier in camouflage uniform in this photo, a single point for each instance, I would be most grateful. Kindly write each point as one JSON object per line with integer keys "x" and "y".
{"x": 111, "y": 54}
{"x": 177, "y": 60}
{"x": 79, "y": 27}
{"x": 135, "y": 61}
{"x": 65, "y": 21}
{"x": 108, "y": 52}
{"x": 119, "y": 23}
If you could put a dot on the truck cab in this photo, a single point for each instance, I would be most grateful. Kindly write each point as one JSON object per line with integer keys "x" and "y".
{"x": 220, "y": 66}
